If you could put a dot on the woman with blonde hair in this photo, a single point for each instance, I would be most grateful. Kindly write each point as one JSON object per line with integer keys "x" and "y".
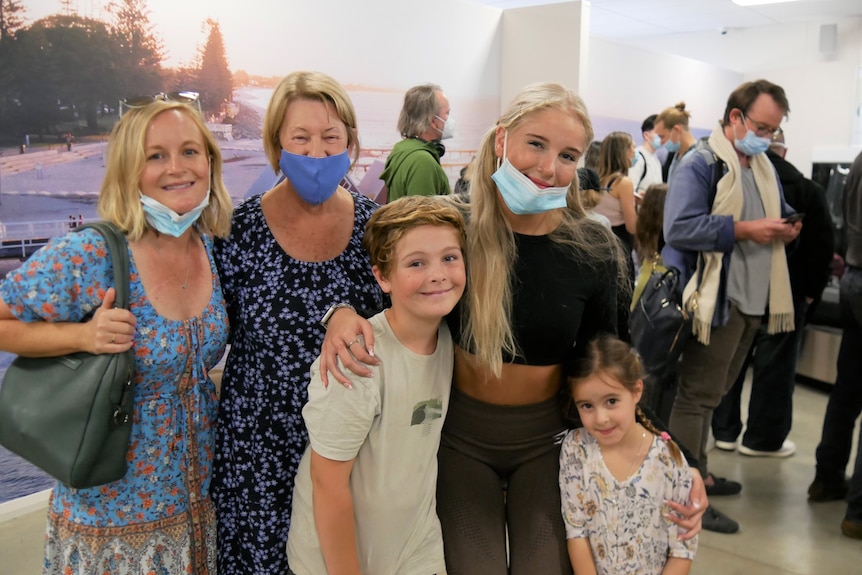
{"x": 163, "y": 189}
{"x": 543, "y": 280}
{"x": 671, "y": 126}
{"x": 291, "y": 251}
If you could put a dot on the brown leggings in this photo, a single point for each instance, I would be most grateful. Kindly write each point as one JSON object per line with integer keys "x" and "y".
{"x": 499, "y": 476}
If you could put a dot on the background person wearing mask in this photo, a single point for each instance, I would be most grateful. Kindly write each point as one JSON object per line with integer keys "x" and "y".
{"x": 647, "y": 170}
{"x": 413, "y": 167}
{"x": 671, "y": 126}
{"x": 773, "y": 356}
{"x": 728, "y": 241}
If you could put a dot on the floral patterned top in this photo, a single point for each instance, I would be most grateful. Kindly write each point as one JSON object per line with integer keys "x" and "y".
{"x": 623, "y": 520}
{"x": 160, "y": 515}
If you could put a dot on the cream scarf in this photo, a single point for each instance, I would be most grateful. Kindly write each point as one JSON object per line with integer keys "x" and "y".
{"x": 701, "y": 300}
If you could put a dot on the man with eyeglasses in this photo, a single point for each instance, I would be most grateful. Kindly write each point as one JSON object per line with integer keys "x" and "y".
{"x": 413, "y": 167}
{"x": 726, "y": 225}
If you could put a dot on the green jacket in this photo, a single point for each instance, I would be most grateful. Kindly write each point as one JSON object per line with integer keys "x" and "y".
{"x": 413, "y": 169}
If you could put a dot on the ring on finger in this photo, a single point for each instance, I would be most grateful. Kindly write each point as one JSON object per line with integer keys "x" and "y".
{"x": 352, "y": 341}
{"x": 113, "y": 337}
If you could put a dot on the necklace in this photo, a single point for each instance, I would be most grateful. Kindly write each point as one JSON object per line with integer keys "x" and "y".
{"x": 185, "y": 283}
{"x": 637, "y": 456}
{"x": 628, "y": 489}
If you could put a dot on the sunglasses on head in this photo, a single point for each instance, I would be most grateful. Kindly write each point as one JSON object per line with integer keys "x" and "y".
{"x": 185, "y": 97}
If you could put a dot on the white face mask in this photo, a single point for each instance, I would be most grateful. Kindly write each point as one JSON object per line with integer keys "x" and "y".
{"x": 448, "y": 130}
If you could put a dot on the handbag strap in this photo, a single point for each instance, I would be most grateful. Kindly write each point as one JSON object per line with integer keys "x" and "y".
{"x": 119, "y": 254}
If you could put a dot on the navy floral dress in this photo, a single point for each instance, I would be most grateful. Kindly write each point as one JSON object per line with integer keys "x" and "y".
{"x": 275, "y": 303}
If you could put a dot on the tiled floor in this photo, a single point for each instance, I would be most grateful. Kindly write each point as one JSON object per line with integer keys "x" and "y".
{"x": 781, "y": 533}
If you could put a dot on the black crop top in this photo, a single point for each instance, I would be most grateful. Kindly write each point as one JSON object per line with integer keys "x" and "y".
{"x": 559, "y": 303}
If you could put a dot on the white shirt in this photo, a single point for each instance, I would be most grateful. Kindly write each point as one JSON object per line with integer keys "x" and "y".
{"x": 646, "y": 172}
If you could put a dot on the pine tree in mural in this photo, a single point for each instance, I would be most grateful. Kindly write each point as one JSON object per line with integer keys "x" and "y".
{"x": 11, "y": 18}
{"x": 214, "y": 77}
{"x": 138, "y": 46}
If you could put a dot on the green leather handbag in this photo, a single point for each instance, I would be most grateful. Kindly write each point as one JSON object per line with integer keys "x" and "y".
{"x": 71, "y": 416}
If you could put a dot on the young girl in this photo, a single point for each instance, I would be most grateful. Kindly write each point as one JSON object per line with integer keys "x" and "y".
{"x": 649, "y": 239}
{"x": 618, "y": 472}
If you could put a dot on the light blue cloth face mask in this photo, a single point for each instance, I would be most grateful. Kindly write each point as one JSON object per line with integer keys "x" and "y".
{"x": 314, "y": 179}
{"x": 521, "y": 194}
{"x": 167, "y": 221}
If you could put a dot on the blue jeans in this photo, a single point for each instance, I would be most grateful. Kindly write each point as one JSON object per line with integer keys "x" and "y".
{"x": 845, "y": 401}
{"x": 770, "y": 408}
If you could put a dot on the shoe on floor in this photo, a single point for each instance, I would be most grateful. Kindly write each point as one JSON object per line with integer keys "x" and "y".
{"x": 725, "y": 445}
{"x": 820, "y": 491}
{"x": 715, "y": 520}
{"x": 722, "y": 486}
{"x": 787, "y": 449}
{"x": 852, "y": 529}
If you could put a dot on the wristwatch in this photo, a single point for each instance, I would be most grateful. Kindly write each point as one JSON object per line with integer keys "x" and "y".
{"x": 329, "y": 313}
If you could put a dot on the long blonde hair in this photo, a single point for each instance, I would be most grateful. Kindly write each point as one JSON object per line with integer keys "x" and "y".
{"x": 119, "y": 198}
{"x": 486, "y": 321}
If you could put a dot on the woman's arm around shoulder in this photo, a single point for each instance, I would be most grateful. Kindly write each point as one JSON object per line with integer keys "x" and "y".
{"x": 350, "y": 338}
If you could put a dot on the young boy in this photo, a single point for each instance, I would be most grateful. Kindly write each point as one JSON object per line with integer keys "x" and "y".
{"x": 365, "y": 495}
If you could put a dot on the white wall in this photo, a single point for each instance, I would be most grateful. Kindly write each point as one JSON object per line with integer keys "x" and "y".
{"x": 628, "y": 84}
{"x": 544, "y": 44}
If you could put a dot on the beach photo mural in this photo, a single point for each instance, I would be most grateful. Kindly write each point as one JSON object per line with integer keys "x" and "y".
{"x": 66, "y": 66}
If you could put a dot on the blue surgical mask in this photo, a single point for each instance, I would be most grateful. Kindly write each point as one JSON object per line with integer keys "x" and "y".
{"x": 671, "y": 146}
{"x": 635, "y": 159}
{"x": 166, "y": 221}
{"x": 521, "y": 194}
{"x": 656, "y": 142}
{"x": 751, "y": 144}
{"x": 314, "y": 179}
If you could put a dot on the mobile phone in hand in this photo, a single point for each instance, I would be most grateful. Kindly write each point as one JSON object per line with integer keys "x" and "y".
{"x": 798, "y": 217}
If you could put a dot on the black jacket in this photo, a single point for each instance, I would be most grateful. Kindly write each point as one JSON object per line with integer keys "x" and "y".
{"x": 810, "y": 264}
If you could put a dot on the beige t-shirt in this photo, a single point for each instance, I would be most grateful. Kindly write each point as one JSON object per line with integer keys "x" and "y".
{"x": 390, "y": 423}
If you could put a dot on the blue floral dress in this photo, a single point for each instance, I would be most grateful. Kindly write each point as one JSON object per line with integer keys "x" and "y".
{"x": 275, "y": 303}
{"x": 158, "y": 519}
